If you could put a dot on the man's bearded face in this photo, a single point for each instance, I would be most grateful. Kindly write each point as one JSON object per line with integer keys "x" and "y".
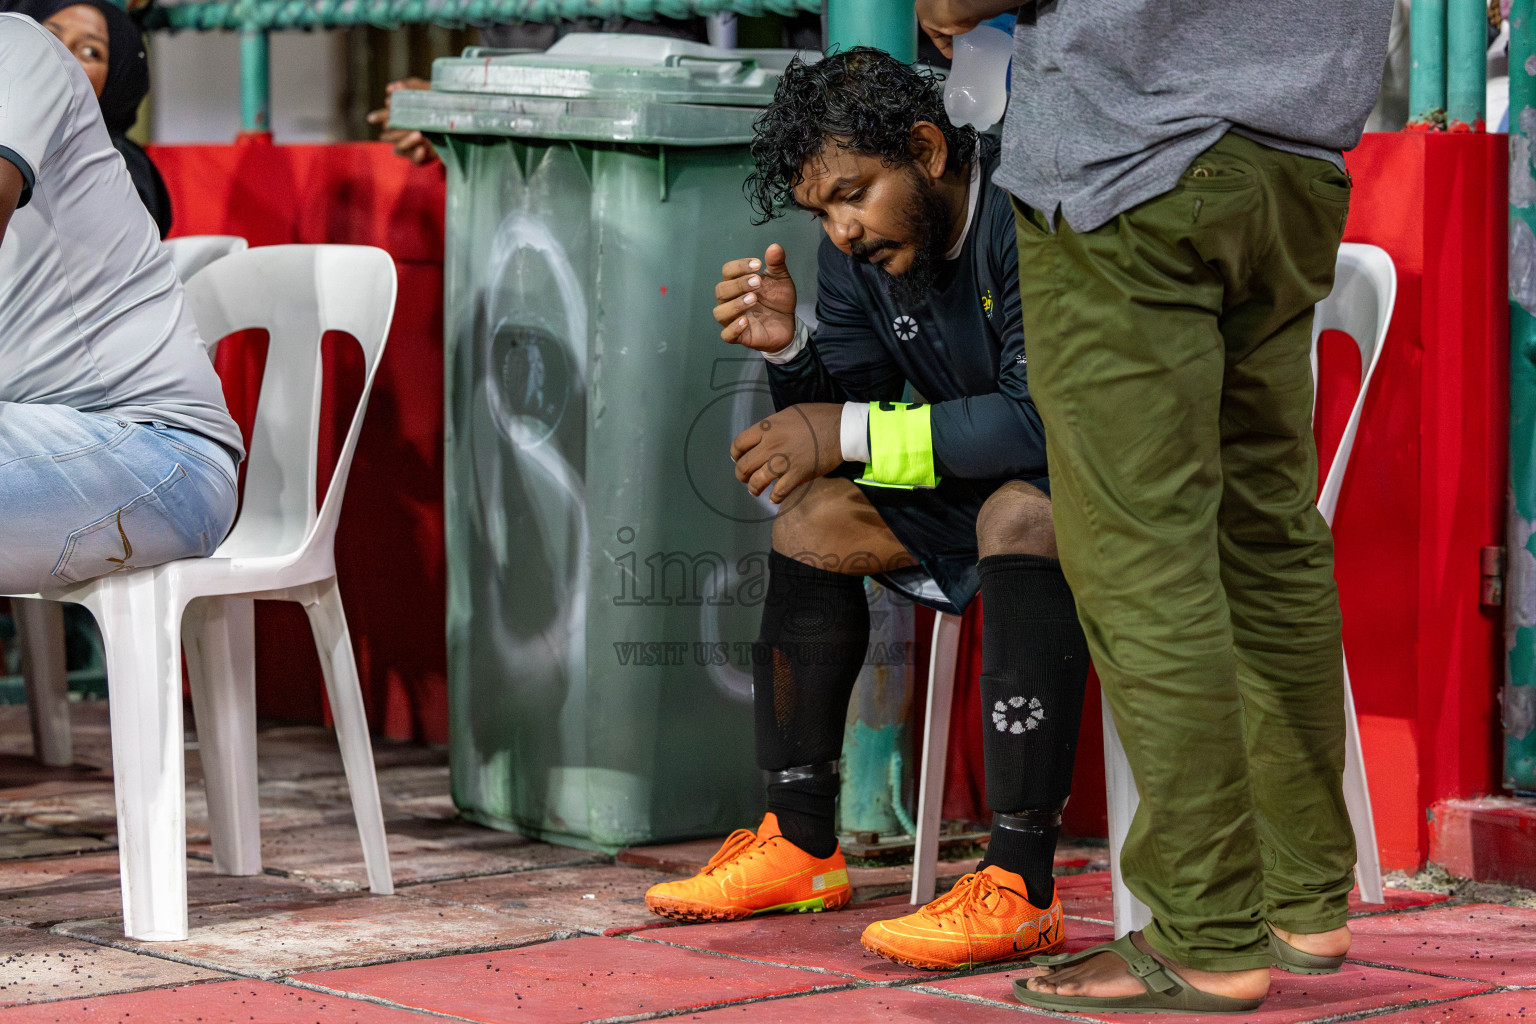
{"x": 891, "y": 216}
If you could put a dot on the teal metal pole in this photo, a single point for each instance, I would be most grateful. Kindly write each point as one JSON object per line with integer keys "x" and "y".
{"x": 1520, "y": 589}
{"x": 1466, "y": 65}
{"x": 255, "y": 81}
{"x": 876, "y": 739}
{"x": 1426, "y": 79}
{"x": 889, "y": 25}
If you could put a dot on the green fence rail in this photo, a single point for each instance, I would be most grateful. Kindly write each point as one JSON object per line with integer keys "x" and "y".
{"x": 263, "y": 15}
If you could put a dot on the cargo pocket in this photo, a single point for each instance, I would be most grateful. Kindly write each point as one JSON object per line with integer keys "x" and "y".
{"x": 1333, "y": 188}
{"x": 1215, "y": 175}
{"x": 1336, "y": 191}
{"x": 144, "y": 532}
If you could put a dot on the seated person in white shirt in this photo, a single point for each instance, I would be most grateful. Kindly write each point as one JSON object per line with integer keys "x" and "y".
{"x": 116, "y": 448}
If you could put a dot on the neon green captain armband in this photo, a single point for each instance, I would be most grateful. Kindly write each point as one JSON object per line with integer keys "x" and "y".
{"x": 900, "y": 446}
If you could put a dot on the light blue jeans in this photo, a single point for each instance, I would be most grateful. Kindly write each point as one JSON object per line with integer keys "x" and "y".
{"x": 85, "y": 494}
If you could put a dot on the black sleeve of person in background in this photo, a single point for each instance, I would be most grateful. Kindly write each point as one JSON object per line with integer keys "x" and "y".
{"x": 147, "y": 181}
{"x": 845, "y": 361}
{"x": 995, "y": 436}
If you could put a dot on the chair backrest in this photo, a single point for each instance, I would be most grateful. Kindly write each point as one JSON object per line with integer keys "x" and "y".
{"x": 296, "y": 293}
{"x": 1360, "y": 305}
{"x": 191, "y": 253}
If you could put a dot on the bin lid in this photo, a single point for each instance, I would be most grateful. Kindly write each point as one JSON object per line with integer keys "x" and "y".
{"x": 602, "y": 87}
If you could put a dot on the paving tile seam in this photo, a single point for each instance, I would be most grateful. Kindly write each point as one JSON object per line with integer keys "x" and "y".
{"x": 135, "y": 991}
{"x": 278, "y": 975}
{"x": 964, "y": 997}
{"x": 632, "y": 1018}
{"x": 854, "y": 978}
{"x": 632, "y": 937}
{"x": 363, "y": 997}
{"x": 596, "y": 931}
{"x": 124, "y": 946}
{"x": 1340, "y": 1018}
{"x": 622, "y": 1019}
{"x": 108, "y": 848}
{"x": 1428, "y": 974}
{"x": 436, "y": 879}
{"x": 1449, "y": 901}
{"x": 405, "y": 957}
{"x": 864, "y": 982}
{"x": 1413, "y": 1004}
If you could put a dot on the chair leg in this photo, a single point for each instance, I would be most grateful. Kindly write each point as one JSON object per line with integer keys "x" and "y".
{"x": 322, "y": 602}
{"x": 1130, "y": 913}
{"x": 40, "y": 628}
{"x": 930, "y": 789}
{"x": 1357, "y": 798}
{"x": 140, "y": 626}
{"x": 219, "y": 639}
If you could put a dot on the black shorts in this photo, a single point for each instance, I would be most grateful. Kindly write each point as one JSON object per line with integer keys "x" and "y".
{"x": 938, "y": 527}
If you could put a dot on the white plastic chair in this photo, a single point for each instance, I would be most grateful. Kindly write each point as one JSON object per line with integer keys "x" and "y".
{"x": 1360, "y": 305}
{"x": 191, "y": 253}
{"x": 40, "y": 624}
{"x": 942, "y": 657}
{"x": 281, "y": 548}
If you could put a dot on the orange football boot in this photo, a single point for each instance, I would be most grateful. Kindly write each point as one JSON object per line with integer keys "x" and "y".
{"x": 984, "y": 918}
{"x": 755, "y": 873}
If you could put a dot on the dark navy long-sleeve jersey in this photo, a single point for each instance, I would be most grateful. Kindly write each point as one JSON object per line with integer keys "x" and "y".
{"x": 961, "y": 349}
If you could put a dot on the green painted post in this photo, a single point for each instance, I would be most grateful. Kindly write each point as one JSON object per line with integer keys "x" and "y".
{"x": 1466, "y": 65}
{"x": 255, "y": 81}
{"x": 1426, "y": 79}
{"x": 1520, "y": 588}
{"x": 889, "y": 25}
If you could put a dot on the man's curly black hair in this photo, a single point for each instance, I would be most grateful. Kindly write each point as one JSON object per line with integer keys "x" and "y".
{"x": 862, "y": 98}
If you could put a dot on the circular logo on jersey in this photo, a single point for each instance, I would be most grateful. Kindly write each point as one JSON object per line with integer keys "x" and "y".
{"x": 905, "y": 328}
{"x": 1028, "y": 718}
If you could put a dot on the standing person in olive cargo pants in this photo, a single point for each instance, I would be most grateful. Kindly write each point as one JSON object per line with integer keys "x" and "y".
{"x": 1180, "y": 198}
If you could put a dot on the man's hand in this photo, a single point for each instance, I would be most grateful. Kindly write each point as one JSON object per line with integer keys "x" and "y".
{"x": 410, "y": 144}
{"x": 793, "y": 447}
{"x": 945, "y": 19}
{"x": 757, "y": 302}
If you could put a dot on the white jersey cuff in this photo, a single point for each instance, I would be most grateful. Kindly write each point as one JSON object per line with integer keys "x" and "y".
{"x": 855, "y": 432}
{"x": 794, "y": 348}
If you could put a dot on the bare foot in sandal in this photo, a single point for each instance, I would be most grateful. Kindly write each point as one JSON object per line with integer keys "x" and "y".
{"x": 1107, "y": 976}
{"x": 1330, "y": 943}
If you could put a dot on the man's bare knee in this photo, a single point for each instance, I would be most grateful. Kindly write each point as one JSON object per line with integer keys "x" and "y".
{"x": 1016, "y": 520}
{"x": 834, "y": 527}
{"x": 803, "y": 529}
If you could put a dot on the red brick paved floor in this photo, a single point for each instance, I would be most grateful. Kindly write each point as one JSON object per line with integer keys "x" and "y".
{"x": 492, "y": 928}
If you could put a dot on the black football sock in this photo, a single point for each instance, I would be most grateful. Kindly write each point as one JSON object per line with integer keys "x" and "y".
{"x": 1026, "y": 845}
{"x": 814, "y": 635}
{"x": 1034, "y": 670}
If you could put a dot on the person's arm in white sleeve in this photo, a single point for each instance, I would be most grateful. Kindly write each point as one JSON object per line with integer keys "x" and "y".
{"x": 35, "y": 92}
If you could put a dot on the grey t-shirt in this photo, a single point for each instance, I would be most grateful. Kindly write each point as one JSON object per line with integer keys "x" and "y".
{"x": 91, "y": 313}
{"x": 1112, "y": 100}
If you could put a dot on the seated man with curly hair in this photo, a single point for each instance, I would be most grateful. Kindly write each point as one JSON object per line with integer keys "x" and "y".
{"x": 905, "y": 442}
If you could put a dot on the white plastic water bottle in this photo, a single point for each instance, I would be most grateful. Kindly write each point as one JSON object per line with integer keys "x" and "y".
{"x": 977, "y": 90}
